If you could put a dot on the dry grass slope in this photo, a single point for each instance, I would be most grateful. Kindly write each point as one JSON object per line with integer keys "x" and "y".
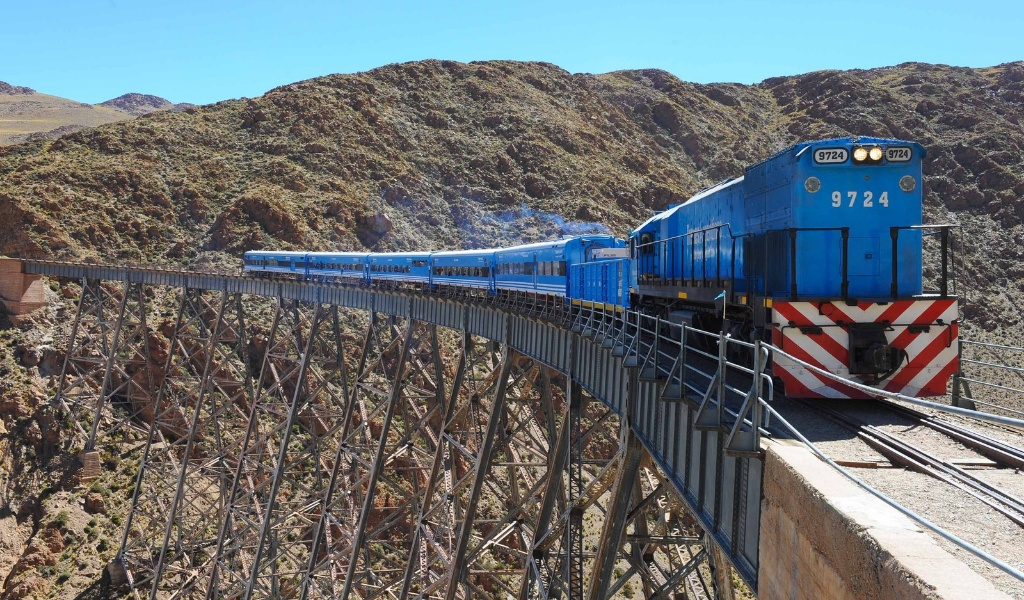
{"x": 23, "y": 115}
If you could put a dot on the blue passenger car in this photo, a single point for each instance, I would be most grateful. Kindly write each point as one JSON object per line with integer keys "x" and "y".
{"x": 270, "y": 261}
{"x": 348, "y": 266}
{"x": 468, "y": 268}
{"x": 411, "y": 267}
{"x": 544, "y": 267}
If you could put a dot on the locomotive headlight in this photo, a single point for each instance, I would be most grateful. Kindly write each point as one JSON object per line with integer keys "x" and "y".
{"x": 860, "y": 154}
{"x": 812, "y": 184}
{"x": 875, "y": 153}
{"x": 908, "y": 183}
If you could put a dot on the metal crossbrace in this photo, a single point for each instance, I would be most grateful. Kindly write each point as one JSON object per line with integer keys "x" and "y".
{"x": 364, "y": 433}
{"x": 380, "y": 358}
{"x": 458, "y": 567}
{"x": 107, "y": 371}
{"x": 434, "y": 540}
{"x": 393, "y": 483}
{"x": 666, "y": 551}
{"x": 574, "y": 532}
{"x": 628, "y": 463}
{"x": 263, "y": 539}
{"x": 537, "y": 579}
{"x": 206, "y": 373}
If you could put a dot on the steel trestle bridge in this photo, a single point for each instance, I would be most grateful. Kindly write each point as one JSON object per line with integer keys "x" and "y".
{"x": 396, "y": 443}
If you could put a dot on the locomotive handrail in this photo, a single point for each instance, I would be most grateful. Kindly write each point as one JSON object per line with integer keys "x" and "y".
{"x": 692, "y": 235}
{"x": 943, "y": 231}
{"x": 844, "y": 290}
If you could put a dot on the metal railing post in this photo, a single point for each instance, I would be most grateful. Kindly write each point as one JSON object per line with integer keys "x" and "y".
{"x": 894, "y": 233}
{"x": 792, "y": 263}
{"x": 944, "y": 257}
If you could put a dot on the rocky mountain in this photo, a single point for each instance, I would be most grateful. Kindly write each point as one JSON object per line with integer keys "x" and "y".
{"x": 7, "y": 89}
{"x": 445, "y": 154}
{"x": 26, "y": 115}
{"x": 142, "y": 104}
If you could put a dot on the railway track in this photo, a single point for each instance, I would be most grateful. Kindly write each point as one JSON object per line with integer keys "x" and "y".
{"x": 905, "y": 454}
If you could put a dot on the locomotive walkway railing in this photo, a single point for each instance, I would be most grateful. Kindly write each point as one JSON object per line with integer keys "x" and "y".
{"x": 689, "y": 255}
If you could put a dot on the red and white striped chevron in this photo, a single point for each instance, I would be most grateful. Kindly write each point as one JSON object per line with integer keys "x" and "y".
{"x": 932, "y": 354}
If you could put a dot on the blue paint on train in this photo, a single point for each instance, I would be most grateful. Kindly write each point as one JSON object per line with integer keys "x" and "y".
{"x": 826, "y": 220}
{"x": 811, "y": 222}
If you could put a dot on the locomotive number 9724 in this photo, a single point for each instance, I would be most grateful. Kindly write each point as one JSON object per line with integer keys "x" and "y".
{"x": 867, "y": 199}
{"x": 829, "y": 156}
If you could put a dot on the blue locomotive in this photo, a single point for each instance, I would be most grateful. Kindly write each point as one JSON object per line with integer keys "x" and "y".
{"x": 818, "y": 247}
{"x": 835, "y": 219}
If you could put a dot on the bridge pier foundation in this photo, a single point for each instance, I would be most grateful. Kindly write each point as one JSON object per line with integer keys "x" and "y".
{"x": 20, "y": 293}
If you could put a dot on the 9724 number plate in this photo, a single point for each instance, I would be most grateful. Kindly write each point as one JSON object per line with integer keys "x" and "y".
{"x": 898, "y": 154}
{"x": 830, "y": 156}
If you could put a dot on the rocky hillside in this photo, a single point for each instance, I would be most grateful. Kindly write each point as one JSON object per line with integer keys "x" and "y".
{"x": 142, "y": 104}
{"x": 26, "y": 115}
{"x": 445, "y": 154}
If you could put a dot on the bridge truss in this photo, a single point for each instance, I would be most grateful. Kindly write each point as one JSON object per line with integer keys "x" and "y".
{"x": 392, "y": 444}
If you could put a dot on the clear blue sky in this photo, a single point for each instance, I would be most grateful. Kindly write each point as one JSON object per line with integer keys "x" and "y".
{"x": 204, "y": 51}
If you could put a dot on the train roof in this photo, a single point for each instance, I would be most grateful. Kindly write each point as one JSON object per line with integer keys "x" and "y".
{"x": 480, "y": 252}
{"x": 376, "y": 255}
{"x": 800, "y": 146}
{"x": 361, "y": 254}
{"x": 555, "y": 243}
{"x": 701, "y": 194}
{"x": 278, "y": 252}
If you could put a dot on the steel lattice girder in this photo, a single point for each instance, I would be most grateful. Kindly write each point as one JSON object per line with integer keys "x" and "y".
{"x": 396, "y": 478}
{"x": 283, "y": 461}
{"x": 184, "y": 475}
{"x": 107, "y": 362}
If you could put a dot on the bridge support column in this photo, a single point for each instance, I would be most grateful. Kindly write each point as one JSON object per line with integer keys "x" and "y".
{"x": 615, "y": 520}
{"x": 205, "y": 382}
{"x": 107, "y": 358}
{"x": 283, "y": 459}
{"x": 19, "y": 293}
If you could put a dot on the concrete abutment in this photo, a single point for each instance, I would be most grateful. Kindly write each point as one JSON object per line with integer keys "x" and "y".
{"x": 822, "y": 536}
{"x": 20, "y": 293}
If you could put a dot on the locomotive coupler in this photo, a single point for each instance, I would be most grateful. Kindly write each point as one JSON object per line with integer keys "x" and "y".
{"x": 871, "y": 355}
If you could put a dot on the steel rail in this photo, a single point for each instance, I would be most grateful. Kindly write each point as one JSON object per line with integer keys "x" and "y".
{"x": 978, "y": 552}
{"x": 910, "y": 456}
{"x": 1001, "y": 452}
